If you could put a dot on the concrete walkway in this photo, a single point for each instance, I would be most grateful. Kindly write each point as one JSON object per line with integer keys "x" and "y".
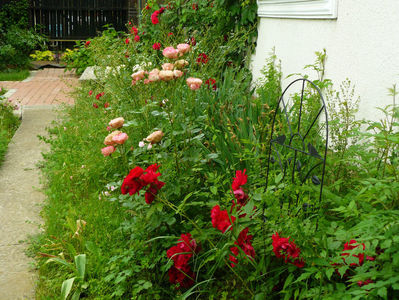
{"x": 20, "y": 196}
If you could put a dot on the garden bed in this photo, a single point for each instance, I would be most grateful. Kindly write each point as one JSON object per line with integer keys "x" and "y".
{"x": 156, "y": 188}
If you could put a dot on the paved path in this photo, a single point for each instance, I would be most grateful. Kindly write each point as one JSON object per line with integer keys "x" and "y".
{"x": 20, "y": 197}
{"x": 44, "y": 87}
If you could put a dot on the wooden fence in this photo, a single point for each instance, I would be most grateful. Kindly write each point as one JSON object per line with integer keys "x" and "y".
{"x": 67, "y": 20}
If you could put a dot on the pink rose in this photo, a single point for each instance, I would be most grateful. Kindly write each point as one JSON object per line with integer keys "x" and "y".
{"x": 170, "y": 52}
{"x": 177, "y": 73}
{"x": 166, "y": 75}
{"x": 106, "y": 151}
{"x": 138, "y": 75}
{"x": 146, "y": 81}
{"x": 168, "y": 66}
{"x": 109, "y": 138}
{"x": 120, "y": 138}
{"x": 194, "y": 83}
{"x": 153, "y": 75}
{"x": 183, "y": 48}
{"x": 117, "y": 123}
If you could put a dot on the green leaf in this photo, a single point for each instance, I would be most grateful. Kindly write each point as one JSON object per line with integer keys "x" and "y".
{"x": 329, "y": 273}
{"x": 214, "y": 190}
{"x": 80, "y": 262}
{"x": 386, "y": 244}
{"x": 60, "y": 261}
{"x": 66, "y": 287}
{"x": 76, "y": 295}
{"x": 382, "y": 292}
{"x": 303, "y": 277}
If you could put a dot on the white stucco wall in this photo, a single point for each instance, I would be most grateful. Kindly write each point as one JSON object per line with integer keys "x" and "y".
{"x": 362, "y": 44}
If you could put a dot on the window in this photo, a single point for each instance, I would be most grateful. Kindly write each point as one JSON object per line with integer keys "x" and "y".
{"x": 300, "y": 9}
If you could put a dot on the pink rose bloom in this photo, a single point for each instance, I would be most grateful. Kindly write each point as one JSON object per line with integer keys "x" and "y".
{"x": 138, "y": 75}
{"x": 134, "y": 82}
{"x": 168, "y": 66}
{"x": 106, "y": 151}
{"x": 146, "y": 81}
{"x": 194, "y": 83}
{"x": 117, "y": 123}
{"x": 183, "y": 48}
{"x": 166, "y": 75}
{"x": 170, "y": 52}
{"x": 153, "y": 75}
{"x": 177, "y": 73}
{"x": 120, "y": 138}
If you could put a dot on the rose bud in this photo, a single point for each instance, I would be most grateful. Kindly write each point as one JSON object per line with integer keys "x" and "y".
{"x": 155, "y": 137}
{"x": 108, "y": 140}
{"x": 117, "y": 123}
{"x": 120, "y": 138}
{"x": 168, "y": 66}
{"x": 106, "y": 151}
{"x": 166, "y": 75}
{"x": 181, "y": 63}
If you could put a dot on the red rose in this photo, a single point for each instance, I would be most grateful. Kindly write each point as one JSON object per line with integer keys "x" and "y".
{"x": 154, "y": 17}
{"x": 137, "y": 38}
{"x": 221, "y": 220}
{"x": 134, "y": 30}
{"x": 170, "y": 33}
{"x": 283, "y": 248}
{"x": 152, "y": 191}
{"x": 244, "y": 242}
{"x": 211, "y": 82}
{"x": 132, "y": 183}
{"x": 87, "y": 43}
{"x": 147, "y": 7}
{"x": 95, "y": 105}
{"x": 180, "y": 273}
{"x": 240, "y": 179}
{"x": 193, "y": 41}
{"x": 202, "y": 58}
{"x": 156, "y": 46}
{"x": 90, "y": 93}
{"x": 195, "y": 6}
{"x": 106, "y": 104}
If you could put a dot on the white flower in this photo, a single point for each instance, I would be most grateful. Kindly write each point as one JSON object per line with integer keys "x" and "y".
{"x": 141, "y": 144}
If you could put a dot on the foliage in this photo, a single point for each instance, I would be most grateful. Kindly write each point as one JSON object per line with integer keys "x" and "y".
{"x": 8, "y": 124}
{"x": 15, "y": 46}
{"x": 46, "y": 55}
{"x": 14, "y": 13}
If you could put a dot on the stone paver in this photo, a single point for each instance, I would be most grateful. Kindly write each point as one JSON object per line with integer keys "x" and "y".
{"x": 45, "y": 87}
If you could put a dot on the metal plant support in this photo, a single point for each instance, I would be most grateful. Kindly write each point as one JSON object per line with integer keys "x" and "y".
{"x": 295, "y": 148}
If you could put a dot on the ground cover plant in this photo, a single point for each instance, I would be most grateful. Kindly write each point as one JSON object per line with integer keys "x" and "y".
{"x": 156, "y": 178}
{"x": 8, "y": 123}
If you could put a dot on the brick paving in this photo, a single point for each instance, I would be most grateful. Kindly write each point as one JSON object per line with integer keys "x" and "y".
{"x": 45, "y": 87}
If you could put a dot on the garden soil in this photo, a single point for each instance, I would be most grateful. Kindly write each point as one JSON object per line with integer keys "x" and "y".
{"x": 20, "y": 203}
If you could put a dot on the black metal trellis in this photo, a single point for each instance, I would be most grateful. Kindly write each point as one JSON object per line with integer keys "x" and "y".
{"x": 294, "y": 151}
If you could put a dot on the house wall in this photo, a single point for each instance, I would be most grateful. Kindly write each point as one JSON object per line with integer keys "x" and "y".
{"x": 362, "y": 44}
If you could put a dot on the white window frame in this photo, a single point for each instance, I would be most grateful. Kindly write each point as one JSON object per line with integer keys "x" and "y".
{"x": 298, "y": 9}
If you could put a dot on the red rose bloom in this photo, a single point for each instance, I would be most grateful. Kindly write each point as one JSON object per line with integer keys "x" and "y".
{"x": 134, "y": 30}
{"x": 87, "y": 43}
{"x": 137, "y": 38}
{"x": 181, "y": 254}
{"x": 147, "y": 7}
{"x": 211, "y": 82}
{"x": 220, "y": 219}
{"x": 202, "y": 58}
{"x": 283, "y": 248}
{"x": 95, "y": 105}
{"x": 156, "y": 46}
{"x": 352, "y": 245}
{"x": 170, "y": 33}
{"x": 195, "y": 6}
{"x": 240, "y": 179}
{"x": 244, "y": 242}
{"x": 90, "y": 93}
{"x": 106, "y": 104}
{"x": 132, "y": 183}
{"x": 152, "y": 191}
{"x": 127, "y": 41}
{"x": 154, "y": 17}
